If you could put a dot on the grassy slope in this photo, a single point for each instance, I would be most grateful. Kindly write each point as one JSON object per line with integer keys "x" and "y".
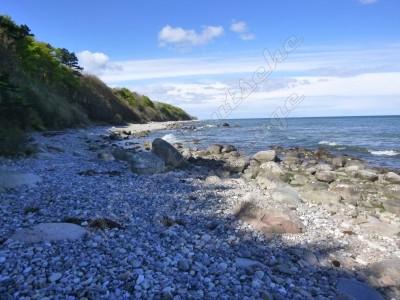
{"x": 38, "y": 91}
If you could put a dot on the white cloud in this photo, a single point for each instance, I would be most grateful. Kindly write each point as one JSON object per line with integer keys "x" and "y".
{"x": 177, "y": 36}
{"x": 93, "y": 62}
{"x": 240, "y": 27}
{"x": 366, "y": 2}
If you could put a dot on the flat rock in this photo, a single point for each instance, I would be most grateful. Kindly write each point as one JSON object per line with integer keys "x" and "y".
{"x": 386, "y": 273}
{"x": 269, "y": 220}
{"x": 49, "y": 232}
{"x": 13, "y": 179}
{"x": 357, "y": 290}
{"x": 146, "y": 163}
{"x": 392, "y": 177}
{"x": 264, "y": 156}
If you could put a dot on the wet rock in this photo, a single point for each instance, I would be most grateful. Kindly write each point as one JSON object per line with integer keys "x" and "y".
{"x": 264, "y": 156}
{"x": 167, "y": 153}
{"x": 392, "y": 177}
{"x": 357, "y": 290}
{"x": 13, "y": 179}
{"x": 326, "y": 176}
{"x": 146, "y": 163}
{"x": 269, "y": 221}
{"x": 49, "y": 232}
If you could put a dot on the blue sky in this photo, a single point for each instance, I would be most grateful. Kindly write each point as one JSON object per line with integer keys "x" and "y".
{"x": 198, "y": 54}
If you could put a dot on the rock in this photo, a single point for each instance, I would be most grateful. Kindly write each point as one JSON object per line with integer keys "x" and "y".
{"x": 286, "y": 195}
{"x": 339, "y": 161}
{"x": 320, "y": 197}
{"x": 392, "y": 191}
{"x": 367, "y": 175}
{"x": 213, "y": 180}
{"x": 248, "y": 264}
{"x": 357, "y": 290}
{"x": 167, "y": 153}
{"x": 228, "y": 148}
{"x": 55, "y": 277}
{"x": 271, "y": 170}
{"x": 393, "y": 206}
{"x": 49, "y": 232}
{"x": 252, "y": 170}
{"x": 392, "y": 177}
{"x": 146, "y": 163}
{"x": 264, "y": 156}
{"x": 323, "y": 167}
{"x": 375, "y": 226}
{"x": 269, "y": 221}
{"x": 13, "y": 179}
{"x": 225, "y": 125}
{"x": 121, "y": 154}
{"x": 214, "y": 149}
{"x": 385, "y": 273}
{"x": 326, "y": 176}
{"x": 106, "y": 156}
{"x": 348, "y": 192}
{"x": 298, "y": 180}
{"x": 237, "y": 165}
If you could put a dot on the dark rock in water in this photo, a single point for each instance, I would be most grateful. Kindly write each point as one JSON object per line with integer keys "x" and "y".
{"x": 225, "y": 125}
{"x": 357, "y": 290}
{"x": 146, "y": 163}
{"x": 214, "y": 149}
{"x": 269, "y": 221}
{"x": 167, "y": 153}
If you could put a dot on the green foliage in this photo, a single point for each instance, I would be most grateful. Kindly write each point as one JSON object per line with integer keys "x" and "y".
{"x": 41, "y": 87}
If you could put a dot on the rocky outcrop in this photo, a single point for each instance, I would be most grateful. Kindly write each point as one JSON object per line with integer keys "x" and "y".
{"x": 171, "y": 156}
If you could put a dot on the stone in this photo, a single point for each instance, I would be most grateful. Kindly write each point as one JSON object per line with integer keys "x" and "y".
{"x": 367, "y": 175}
{"x": 247, "y": 263}
{"x": 298, "y": 180}
{"x": 320, "y": 197}
{"x": 392, "y": 191}
{"x": 385, "y": 273}
{"x": 10, "y": 179}
{"x": 106, "y": 156}
{"x": 392, "y": 177}
{"x": 213, "y": 180}
{"x": 338, "y": 162}
{"x": 228, "y": 148}
{"x": 121, "y": 154}
{"x": 323, "y": 167}
{"x": 144, "y": 163}
{"x": 49, "y": 232}
{"x": 286, "y": 195}
{"x": 167, "y": 153}
{"x": 269, "y": 220}
{"x": 326, "y": 176}
{"x": 237, "y": 165}
{"x": 214, "y": 149}
{"x": 393, "y": 206}
{"x": 271, "y": 169}
{"x": 347, "y": 191}
{"x": 357, "y": 290}
{"x": 55, "y": 277}
{"x": 264, "y": 156}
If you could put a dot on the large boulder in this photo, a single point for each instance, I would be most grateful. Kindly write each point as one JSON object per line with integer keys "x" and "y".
{"x": 49, "y": 232}
{"x": 269, "y": 220}
{"x": 367, "y": 175}
{"x": 167, "y": 153}
{"x": 326, "y": 176}
{"x": 10, "y": 179}
{"x": 146, "y": 163}
{"x": 385, "y": 273}
{"x": 356, "y": 290}
{"x": 264, "y": 156}
{"x": 392, "y": 177}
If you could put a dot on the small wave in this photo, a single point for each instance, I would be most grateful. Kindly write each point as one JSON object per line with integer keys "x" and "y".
{"x": 291, "y": 138}
{"x": 170, "y": 138}
{"x": 384, "y": 152}
{"x": 206, "y": 126}
{"x": 328, "y": 143}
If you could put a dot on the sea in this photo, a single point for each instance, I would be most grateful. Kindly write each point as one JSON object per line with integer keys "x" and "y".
{"x": 375, "y": 139}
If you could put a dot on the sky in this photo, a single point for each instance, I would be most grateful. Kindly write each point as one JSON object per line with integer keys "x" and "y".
{"x": 234, "y": 59}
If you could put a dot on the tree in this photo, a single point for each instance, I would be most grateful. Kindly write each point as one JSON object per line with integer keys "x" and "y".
{"x": 69, "y": 59}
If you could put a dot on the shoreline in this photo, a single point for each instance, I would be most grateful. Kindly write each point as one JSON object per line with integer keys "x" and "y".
{"x": 147, "y": 235}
